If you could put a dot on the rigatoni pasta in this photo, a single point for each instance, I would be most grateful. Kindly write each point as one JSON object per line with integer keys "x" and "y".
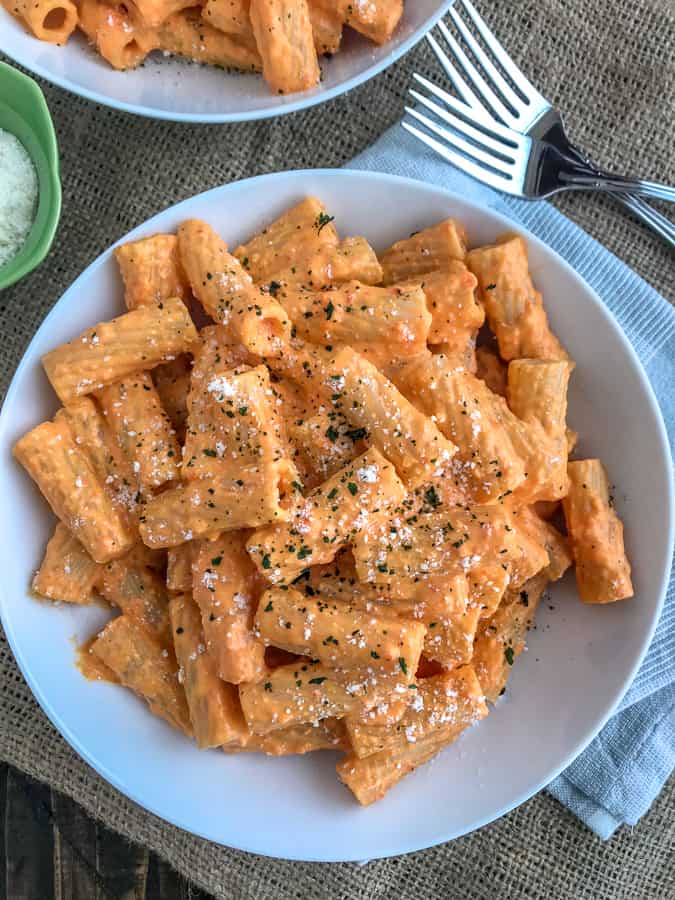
{"x": 151, "y": 271}
{"x": 596, "y": 532}
{"x": 327, "y": 520}
{"x": 135, "y": 341}
{"x": 283, "y": 39}
{"x": 67, "y": 572}
{"x": 67, "y": 481}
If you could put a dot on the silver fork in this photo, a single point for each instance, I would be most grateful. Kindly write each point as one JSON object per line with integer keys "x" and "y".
{"x": 532, "y": 156}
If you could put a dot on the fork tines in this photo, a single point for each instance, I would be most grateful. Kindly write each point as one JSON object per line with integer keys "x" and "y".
{"x": 469, "y": 129}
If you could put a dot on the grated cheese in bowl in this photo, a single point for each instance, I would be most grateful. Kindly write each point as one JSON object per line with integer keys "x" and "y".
{"x": 18, "y": 196}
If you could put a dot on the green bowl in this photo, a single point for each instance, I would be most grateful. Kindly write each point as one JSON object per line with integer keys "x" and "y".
{"x": 24, "y": 113}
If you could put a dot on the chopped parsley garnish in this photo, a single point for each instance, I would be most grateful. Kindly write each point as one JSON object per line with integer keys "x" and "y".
{"x": 216, "y": 561}
{"x": 330, "y": 309}
{"x": 269, "y": 607}
{"x": 208, "y": 452}
{"x": 508, "y": 654}
{"x": 432, "y": 497}
{"x": 404, "y": 666}
{"x": 266, "y": 561}
{"x": 322, "y": 220}
{"x": 318, "y": 680}
{"x": 356, "y": 434}
{"x": 352, "y": 488}
{"x": 268, "y": 686}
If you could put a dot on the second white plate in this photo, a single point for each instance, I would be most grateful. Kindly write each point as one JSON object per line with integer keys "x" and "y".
{"x": 187, "y": 92}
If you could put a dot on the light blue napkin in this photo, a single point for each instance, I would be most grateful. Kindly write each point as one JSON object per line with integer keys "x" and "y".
{"x": 616, "y": 779}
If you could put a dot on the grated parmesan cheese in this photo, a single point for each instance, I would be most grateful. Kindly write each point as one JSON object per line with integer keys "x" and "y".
{"x": 18, "y": 196}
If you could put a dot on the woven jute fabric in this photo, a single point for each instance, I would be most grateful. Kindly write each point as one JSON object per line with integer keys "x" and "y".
{"x": 609, "y": 65}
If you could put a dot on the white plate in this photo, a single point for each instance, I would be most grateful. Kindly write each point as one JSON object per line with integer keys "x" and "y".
{"x": 580, "y": 660}
{"x": 185, "y": 92}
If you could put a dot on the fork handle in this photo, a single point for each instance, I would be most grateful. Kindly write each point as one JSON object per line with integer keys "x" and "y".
{"x": 650, "y": 216}
{"x": 617, "y": 184}
{"x": 642, "y": 210}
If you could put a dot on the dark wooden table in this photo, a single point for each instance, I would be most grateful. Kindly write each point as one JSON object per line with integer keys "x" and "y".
{"x": 51, "y": 848}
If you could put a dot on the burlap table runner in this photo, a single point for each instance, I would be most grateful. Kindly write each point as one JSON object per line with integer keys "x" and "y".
{"x": 610, "y": 66}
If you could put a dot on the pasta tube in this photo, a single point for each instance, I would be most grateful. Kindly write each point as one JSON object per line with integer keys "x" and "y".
{"x": 151, "y": 271}
{"x": 547, "y": 537}
{"x": 443, "y": 605}
{"x": 153, "y": 12}
{"x": 205, "y": 507}
{"x": 215, "y": 711}
{"x": 338, "y": 634}
{"x": 300, "y": 692}
{"x": 353, "y": 259}
{"x": 456, "y": 314}
{"x": 68, "y": 483}
{"x": 49, "y": 20}
{"x": 121, "y": 41}
{"x": 474, "y": 419}
{"x": 140, "y": 593}
{"x": 133, "y": 342}
{"x": 384, "y": 324}
{"x": 227, "y": 292}
{"x": 283, "y": 34}
{"x": 326, "y": 29}
{"x": 401, "y": 552}
{"x": 329, "y": 517}
{"x": 67, "y": 573}
{"x": 230, "y": 16}
{"x": 226, "y": 586}
{"x": 143, "y": 431}
{"x": 412, "y": 442}
{"x": 596, "y": 535}
{"x": 285, "y": 243}
{"x": 537, "y": 394}
{"x": 215, "y": 350}
{"x": 451, "y": 700}
{"x": 141, "y": 663}
{"x": 94, "y": 438}
{"x": 376, "y": 20}
{"x": 370, "y": 777}
{"x": 423, "y": 252}
{"x": 186, "y": 34}
{"x": 450, "y": 616}
{"x": 233, "y": 426}
{"x": 501, "y": 638}
{"x": 514, "y": 309}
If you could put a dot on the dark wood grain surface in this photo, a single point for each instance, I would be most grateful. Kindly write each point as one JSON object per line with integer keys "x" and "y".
{"x": 52, "y": 850}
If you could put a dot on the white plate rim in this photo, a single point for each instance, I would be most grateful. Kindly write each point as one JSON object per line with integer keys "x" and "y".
{"x": 610, "y": 707}
{"x": 304, "y": 101}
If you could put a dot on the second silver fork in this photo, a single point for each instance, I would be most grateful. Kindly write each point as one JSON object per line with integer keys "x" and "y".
{"x": 517, "y": 105}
